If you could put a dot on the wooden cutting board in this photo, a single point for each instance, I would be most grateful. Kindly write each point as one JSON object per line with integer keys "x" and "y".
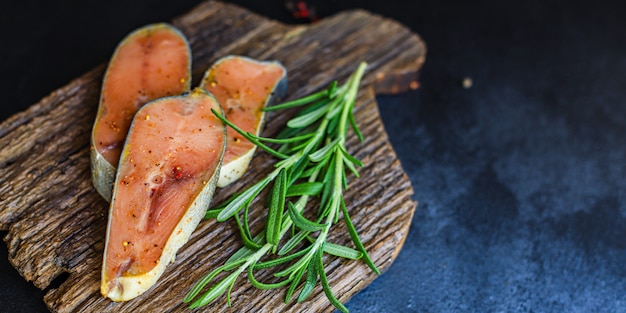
{"x": 56, "y": 220}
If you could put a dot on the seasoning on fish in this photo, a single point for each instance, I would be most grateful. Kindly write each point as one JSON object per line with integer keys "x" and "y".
{"x": 152, "y": 62}
{"x": 243, "y": 87}
{"x": 164, "y": 184}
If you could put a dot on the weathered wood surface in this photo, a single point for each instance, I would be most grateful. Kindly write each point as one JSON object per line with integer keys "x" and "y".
{"x": 56, "y": 220}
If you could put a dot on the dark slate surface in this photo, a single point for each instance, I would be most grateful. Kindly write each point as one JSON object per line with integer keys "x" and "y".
{"x": 521, "y": 178}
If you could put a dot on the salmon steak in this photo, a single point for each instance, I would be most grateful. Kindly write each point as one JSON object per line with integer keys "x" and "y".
{"x": 243, "y": 87}
{"x": 152, "y": 62}
{"x": 165, "y": 181}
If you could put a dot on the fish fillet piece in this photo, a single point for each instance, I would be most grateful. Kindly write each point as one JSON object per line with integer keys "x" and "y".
{"x": 152, "y": 62}
{"x": 243, "y": 87}
{"x": 165, "y": 181}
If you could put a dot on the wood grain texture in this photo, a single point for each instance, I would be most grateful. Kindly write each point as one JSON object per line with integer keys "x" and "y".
{"x": 56, "y": 220}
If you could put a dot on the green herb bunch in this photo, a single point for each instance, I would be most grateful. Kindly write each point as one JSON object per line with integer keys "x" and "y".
{"x": 313, "y": 163}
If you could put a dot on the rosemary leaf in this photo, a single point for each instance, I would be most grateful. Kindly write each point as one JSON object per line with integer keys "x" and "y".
{"x": 237, "y": 204}
{"x": 294, "y": 284}
{"x": 296, "y": 148}
{"x": 247, "y": 240}
{"x": 335, "y": 109}
{"x": 245, "y": 223}
{"x": 354, "y": 126}
{"x": 321, "y": 164}
{"x": 342, "y": 251}
{"x": 355, "y": 238}
{"x": 296, "y": 266}
{"x": 261, "y": 285}
{"x": 298, "y": 168}
{"x": 244, "y": 251}
{"x": 332, "y": 126}
{"x": 275, "y": 215}
{"x": 320, "y": 154}
{"x": 351, "y": 167}
{"x": 312, "y": 107}
{"x": 349, "y": 157}
{"x": 344, "y": 180}
{"x": 285, "y": 140}
{"x": 308, "y": 188}
{"x": 249, "y": 136}
{"x": 216, "y": 291}
{"x": 281, "y": 260}
{"x": 195, "y": 290}
{"x": 298, "y": 102}
{"x": 293, "y": 242}
{"x": 326, "y": 287}
{"x": 311, "y": 281}
{"x": 329, "y": 185}
{"x": 307, "y": 119}
{"x": 213, "y": 213}
{"x": 230, "y": 289}
{"x": 301, "y": 221}
{"x": 332, "y": 89}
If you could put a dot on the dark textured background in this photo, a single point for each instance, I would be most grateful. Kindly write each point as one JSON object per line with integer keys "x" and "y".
{"x": 521, "y": 179}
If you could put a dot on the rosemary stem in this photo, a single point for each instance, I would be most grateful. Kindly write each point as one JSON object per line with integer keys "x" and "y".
{"x": 335, "y": 205}
{"x": 351, "y": 94}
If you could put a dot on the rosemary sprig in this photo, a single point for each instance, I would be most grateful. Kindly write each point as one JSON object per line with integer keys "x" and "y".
{"x": 313, "y": 163}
